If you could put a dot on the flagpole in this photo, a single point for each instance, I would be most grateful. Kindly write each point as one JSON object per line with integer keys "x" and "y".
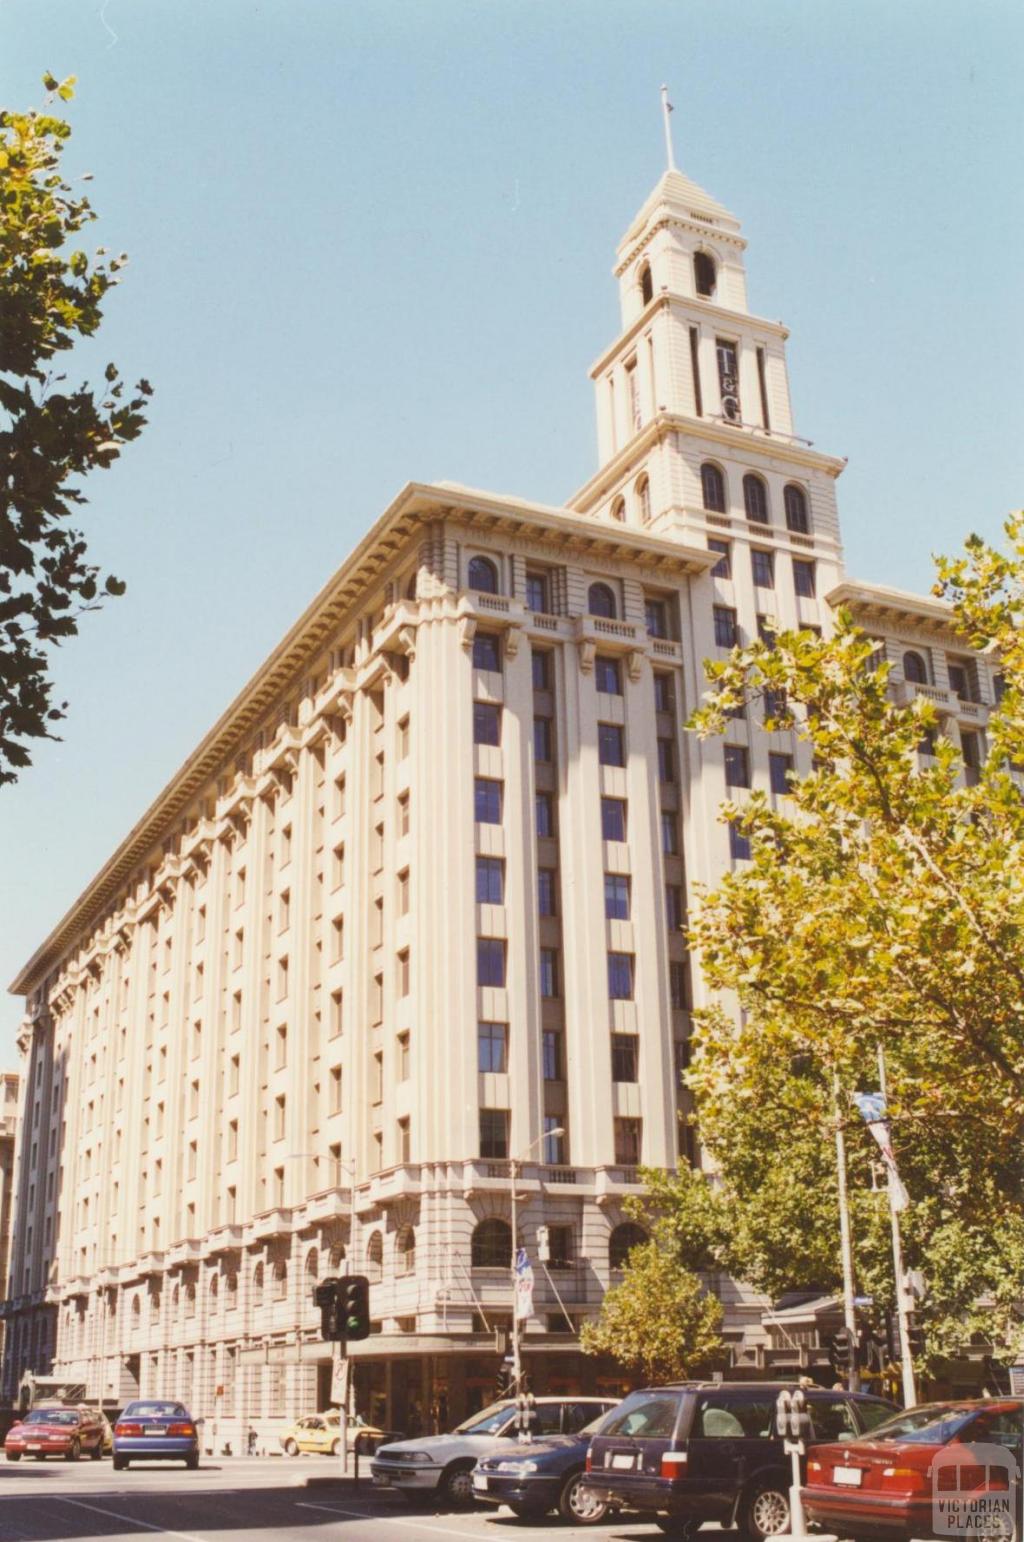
{"x": 666, "y": 108}
{"x": 902, "y": 1314}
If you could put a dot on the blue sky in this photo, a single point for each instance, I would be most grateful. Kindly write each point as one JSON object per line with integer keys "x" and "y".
{"x": 372, "y": 242}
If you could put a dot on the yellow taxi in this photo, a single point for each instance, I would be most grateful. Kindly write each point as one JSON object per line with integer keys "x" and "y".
{"x": 321, "y": 1433}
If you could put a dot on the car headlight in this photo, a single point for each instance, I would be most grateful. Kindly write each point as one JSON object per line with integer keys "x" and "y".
{"x": 406, "y": 1456}
{"x": 517, "y": 1467}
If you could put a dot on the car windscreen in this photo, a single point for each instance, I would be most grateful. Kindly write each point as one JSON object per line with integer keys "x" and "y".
{"x": 644, "y": 1414}
{"x": 52, "y": 1416}
{"x": 488, "y": 1421}
{"x": 929, "y": 1426}
{"x": 594, "y": 1425}
{"x": 155, "y": 1411}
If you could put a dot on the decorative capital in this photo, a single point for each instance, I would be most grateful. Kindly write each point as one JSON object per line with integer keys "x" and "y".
{"x": 635, "y": 664}
{"x": 513, "y": 637}
{"x": 587, "y": 650}
{"x": 467, "y": 631}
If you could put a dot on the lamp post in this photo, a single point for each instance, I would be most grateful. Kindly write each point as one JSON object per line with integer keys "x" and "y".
{"x": 513, "y": 1162}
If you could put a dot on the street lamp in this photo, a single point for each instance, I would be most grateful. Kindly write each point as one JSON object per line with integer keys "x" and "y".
{"x": 516, "y": 1359}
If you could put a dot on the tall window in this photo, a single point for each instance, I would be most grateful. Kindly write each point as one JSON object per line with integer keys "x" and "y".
{"x": 491, "y": 1245}
{"x": 666, "y": 761}
{"x": 755, "y": 498}
{"x": 492, "y": 1047}
{"x": 646, "y": 285}
{"x": 673, "y": 907}
{"x": 537, "y": 592}
{"x": 490, "y": 881}
{"x": 624, "y": 1238}
{"x": 656, "y": 617}
{"x": 616, "y": 896}
{"x": 553, "y": 1149}
{"x": 633, "y": 395}
{"x": 405, "y": 1242}
{"x": 619, "y": 510}
{"x": 483, "y": 575}
{"x": 613, "y": 819}
{"x": 487, "y": 801}
{"x": 608, "y": 675}
{"x": 375, "y": 1258}
{"x": 795, "y": 502}
{"x": 540, "y": 665}
{"x": 546, "y": 892}
{"x": 643, "y": 500}
{"x": 669, "y": 834}
{"x": 723, "y": 567}
{"x": 712, "y": 484}
{"x": 915, "y": 669}
{"x": 780, "y": 769}
{"x": 728, "y": 378}
{"x": 704, "y": 273}
{"x": 739, "y": 844}
{"x": 620, "y": 976}
{"x": 628, "y": 1141}
{"x": 625, "y": 1057}
{"x": 725, "y": 626}
{"x": 611, "y": 744}
{"x": 803, "y": 578}
{"x": 737, "y": 766}
{"x": 763, "y": 568}
{"x": 542, "y": 738}
{"x": 601, "y": 601}
{"x": 548, "y": 973}
{"x": 486, "y": 723}
{"x": 551, "y": 1054}
{"x": 487, "y": 651}
{"x": 494, "y": 1137}
{"x": 490, "y": 961}
{"x": 544, "y": 805}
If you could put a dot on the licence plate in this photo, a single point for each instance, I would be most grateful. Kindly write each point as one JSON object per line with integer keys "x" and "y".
{"x": 623, "y": 1462}
{"x": 154, "y": 1429}
{"x": 33, "y": 1448}
{"x": 381, "y": 1479}
{"x": 852, "y": 1476}
{"x": 479, "y": 1482}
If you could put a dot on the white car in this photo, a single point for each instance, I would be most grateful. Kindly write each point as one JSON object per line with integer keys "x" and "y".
{"x": 443, "y": 1464}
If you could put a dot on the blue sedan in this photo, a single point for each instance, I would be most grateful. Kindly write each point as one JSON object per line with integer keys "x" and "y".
{"x": 153, "y": 1430}
{"x": 545, "y": 1475}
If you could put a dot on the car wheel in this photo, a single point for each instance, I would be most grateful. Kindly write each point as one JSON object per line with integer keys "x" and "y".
{"x": 766, "y": 1512}
{"x": 335, "y": 1447}
{"x": 119, "y": 1463}
{"x": 192, "y": 1461}
{"x": 14, "y": 1456}
{"x": 457, "y": 1486}
{"x": 73, "y": 1452}
{"x": 290, "y": 1448}
{"x": 580, "y": 1505}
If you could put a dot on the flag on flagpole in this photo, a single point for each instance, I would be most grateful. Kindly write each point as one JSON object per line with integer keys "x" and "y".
{"x": 872, "y": 1106}
{"x": 524, "y": 1285}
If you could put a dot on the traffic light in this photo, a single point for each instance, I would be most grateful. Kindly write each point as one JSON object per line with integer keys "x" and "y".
{"x": 353, "y": 1297}
{"x": 842, "y": 1352}
{"x": 325, "y": 1296}
{"x": 915, "y": 1341}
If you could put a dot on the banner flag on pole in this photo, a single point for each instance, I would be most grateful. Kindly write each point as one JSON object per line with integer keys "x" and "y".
{"x": 524, "y": 1285}
{"x": 872, "y": 1106}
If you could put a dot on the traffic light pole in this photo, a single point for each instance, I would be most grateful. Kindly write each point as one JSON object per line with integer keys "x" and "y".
{"x": 845, "y": 1244}
{"x": 902, "y": 1312}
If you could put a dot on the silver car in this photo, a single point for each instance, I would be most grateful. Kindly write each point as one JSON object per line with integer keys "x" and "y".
{"x": 443, "y": 1464}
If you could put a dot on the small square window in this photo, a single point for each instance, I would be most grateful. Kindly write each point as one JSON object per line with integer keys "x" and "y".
{"x": 608, "y": 675}
{"x": 611, "y": 744}
{"x": 487, "y": 652}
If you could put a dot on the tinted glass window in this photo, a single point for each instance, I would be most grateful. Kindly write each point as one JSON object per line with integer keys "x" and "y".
{"x": 645, "y": 1413}
{"x": 51, "y": 1416}
{"x": 735, "y": 1418}
{"x": 577, "y": 1416}
{"x": 488, "y": 1422}
{"x": 547, "y": 1419}
{"x": 832, "y": 1419}
{"x": 873, "y": 1414}
{"x": 931, "y": 1425}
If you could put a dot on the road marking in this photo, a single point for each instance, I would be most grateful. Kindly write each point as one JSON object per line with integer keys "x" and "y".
{"x": 133, "y": 1520}
{"x": 393, "y": 1520}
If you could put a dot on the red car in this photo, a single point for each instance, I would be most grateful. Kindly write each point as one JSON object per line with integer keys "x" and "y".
{"x": 66, "y": 1432}
{"x": 941, "y": 1470}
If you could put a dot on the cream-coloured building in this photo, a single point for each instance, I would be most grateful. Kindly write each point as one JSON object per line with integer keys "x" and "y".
{"x": 413, "y": 906}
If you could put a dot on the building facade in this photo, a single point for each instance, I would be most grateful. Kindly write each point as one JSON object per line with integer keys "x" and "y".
{"x": 413, "y": 908}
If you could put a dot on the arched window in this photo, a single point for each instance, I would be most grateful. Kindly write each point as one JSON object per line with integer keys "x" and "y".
{"x": 619, "y": 510}
{"x": 601, "y": 601}
{"x": 257, "y": 1285}
{"x": 755, "y": 498}
{"x": 492, "y": 1245}
{"x": 795, "y": 500}
{"x": 410, "y": 588}
{"x": 915, "y": 669}
{"x": 231, "y": 1291}
{"x": 483, "y": 575}
{"x": 175, "y": 1300}
{"x": 280, "y": 1280}
{"x": 622, "y": 1240}
{"x": 136, "y": 1311}
{"x": 405, "y": 1251}
{"x": 704, "y": 273}
{"x": 154, "y": 1306}
{"x": 713, "y": 487}
{"x": 214, "y": 1292}
{"x": 375, "y": 1258}
{"x": 190, "y": 1299}
{"x": 312, "y": 1264}
{"x": 337, "y": 1258}
{"x": 643, "y": 500}
{"x": 646, "y": 284}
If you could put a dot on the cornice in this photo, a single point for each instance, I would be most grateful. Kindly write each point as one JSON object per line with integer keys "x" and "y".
{"x": 897, "y": 607}
{"x": 669, "y": 300}
{"x": 706, "y": 227}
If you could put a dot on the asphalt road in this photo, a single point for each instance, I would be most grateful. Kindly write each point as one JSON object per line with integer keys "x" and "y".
{"x": 244, "y": 1499}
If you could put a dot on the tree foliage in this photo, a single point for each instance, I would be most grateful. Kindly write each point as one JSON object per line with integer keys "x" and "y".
{"x": 883, "y": 907}
{"x": 50, "y": 435}
{"x": 659, "y": 1322}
